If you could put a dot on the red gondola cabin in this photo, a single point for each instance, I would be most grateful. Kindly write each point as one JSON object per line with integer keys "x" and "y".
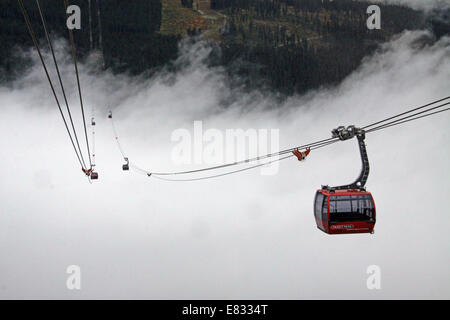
{"x": 348, "y": 208}
{"x": 344, "y": 211}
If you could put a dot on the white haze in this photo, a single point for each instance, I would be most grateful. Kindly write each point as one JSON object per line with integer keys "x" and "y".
{"x": 425, "y": 5}
{"x": 243, "y": 236}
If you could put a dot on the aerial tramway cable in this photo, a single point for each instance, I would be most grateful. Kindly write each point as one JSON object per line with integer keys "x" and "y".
{"x": 240, "y": 170}
{"x": 412, "y": 119}
{"x": 406, "y": 112}
{"x": 93, "y": 135}
{"x": 223, "y": 174}
{"x": 33, "y": 37}
{"x": 311, "y": 146}
{"x": 94, "y": 174}
{"x": 44, "y": 24}
{"x": 87, "y": 170}
{"x": 74, "y": 56}
{"x": 414, "y": 116}
{"x": 383, "y": 124}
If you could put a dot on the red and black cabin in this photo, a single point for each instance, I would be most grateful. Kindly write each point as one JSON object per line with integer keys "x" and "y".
{"x": 344, "y": 211}
{"x": 349, "y": 208}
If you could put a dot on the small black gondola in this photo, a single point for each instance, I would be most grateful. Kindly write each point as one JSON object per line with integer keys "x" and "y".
{"x": 126, "y": 166}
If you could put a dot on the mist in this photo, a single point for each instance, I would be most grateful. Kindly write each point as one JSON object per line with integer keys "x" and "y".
{"x": 245, "y": 236}
{"x": 425, "y": 5}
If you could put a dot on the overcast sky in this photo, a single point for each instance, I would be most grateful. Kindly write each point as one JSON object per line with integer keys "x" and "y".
{"x": 243, "y": 236}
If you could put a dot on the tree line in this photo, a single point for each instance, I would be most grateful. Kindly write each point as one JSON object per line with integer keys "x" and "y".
{"x": 291, "y": 45}
{"x": 125, "y": 32}
{"x": 297, "y": 45}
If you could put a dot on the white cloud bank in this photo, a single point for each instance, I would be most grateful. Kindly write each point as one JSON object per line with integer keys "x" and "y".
{"x": 244, "y": 236}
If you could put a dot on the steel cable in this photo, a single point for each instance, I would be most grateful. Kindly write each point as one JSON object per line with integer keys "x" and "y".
{"x": 406, "y": 112}
{"x": 60, "y": 81}
{"x": 74, "y": 56}
{"x": 312, "y": 146}
{"x": 33, "y": 37}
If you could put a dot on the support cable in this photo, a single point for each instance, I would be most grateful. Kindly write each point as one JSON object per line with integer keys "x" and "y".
{"x": 60, "y": 80}
{"x": 403, "y": 113}
{"x": 33, "y": 37}
{"x": 311, "y": 146}
{"x": 74, "y": 56}
{"x": 271, "y": 155}
{"x": 93, "y": 124}
{"x": 237, "y": 171}
{"x": 388, "y": 125}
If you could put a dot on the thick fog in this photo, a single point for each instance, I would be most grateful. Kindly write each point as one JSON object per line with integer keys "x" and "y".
{"x": 245, "y": 236}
